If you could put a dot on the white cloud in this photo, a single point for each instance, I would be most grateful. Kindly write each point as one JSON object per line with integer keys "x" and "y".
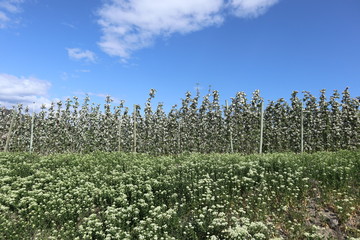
{"x": 84, "y": 70}
{"x": 3, "y": 17}
{"x": 8, "y": 8}
{"x": 129, "y": 25}
{"x": 250, "y": 8}
{"x": 78, "y": 54}
{"x": 69, "y": 25}
{"x": 24, "y": 90}
{"x": 100, "y": 95}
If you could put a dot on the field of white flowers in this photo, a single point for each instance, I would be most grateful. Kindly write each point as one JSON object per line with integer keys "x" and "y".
{"x": 189, "y": 196}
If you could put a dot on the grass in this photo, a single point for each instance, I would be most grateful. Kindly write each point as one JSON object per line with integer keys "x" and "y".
{"x": 190, "y": 196}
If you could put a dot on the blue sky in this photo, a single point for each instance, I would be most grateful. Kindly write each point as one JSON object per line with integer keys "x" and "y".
{"x": 51, "y": 50}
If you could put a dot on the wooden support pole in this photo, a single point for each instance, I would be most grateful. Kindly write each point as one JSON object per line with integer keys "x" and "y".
{"x": 261, "y": 127}
{"x": 302, "y": 130}
{"x": 32, "y": 130}
{"x": 119, "y": 133}
{"x": 179, "y": 136}
{"x": 134, "y": 128}
{"x": 8, "y": 138}
{"x": 230, "y": 130}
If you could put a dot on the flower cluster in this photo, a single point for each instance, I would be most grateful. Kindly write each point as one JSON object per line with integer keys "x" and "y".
{"x": 191, "y": 196}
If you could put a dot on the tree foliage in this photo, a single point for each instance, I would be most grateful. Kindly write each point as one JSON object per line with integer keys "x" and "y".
{"x": 200, "y": 124}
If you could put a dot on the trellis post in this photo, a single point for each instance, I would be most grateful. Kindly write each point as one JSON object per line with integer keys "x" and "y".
{"x": 302, "y": 129}
{"x": 230, "y": 130}
{"x": 32, "y": 129}
{"x": 134, "y": 128}
{"x": 261, "y": 127}
{"x": 10, "y": 131}
{"x": 119, "y": 132}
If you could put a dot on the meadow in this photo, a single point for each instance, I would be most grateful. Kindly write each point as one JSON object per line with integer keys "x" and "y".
{"x": 187, "y": 196}
{"x": 203, "y": 170}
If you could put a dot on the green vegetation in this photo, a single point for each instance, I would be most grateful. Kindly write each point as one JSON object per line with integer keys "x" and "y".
{"x": 188, "y": 196}
{"x": 201, "y": 125}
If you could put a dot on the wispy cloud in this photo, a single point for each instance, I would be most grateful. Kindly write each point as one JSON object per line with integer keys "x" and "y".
{"x": 8, "y": 11}
{"x": 79, "y": 54}
{"x": 100, "y": 95}
{"x": 83, "y": 70}
{"x": 130, "y": 25}
{"x": 24, "y": 90}
{"x": 69, "y": 25}
{"x": 250, "y": 8}
{"x": 65, "y": 76}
